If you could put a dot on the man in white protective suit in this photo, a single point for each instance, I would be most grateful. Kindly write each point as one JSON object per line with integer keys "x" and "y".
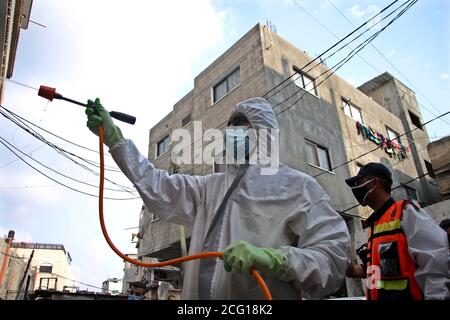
{"x": 282, "y": 223}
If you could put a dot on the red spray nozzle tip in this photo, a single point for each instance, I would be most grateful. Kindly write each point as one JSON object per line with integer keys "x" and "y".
{"x": 47, "y": 92}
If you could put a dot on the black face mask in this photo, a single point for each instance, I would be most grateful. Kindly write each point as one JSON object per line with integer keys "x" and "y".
{"x": 361, "y": 192}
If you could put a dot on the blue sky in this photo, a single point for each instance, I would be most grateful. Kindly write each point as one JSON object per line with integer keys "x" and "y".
{"x": 141, "y": 59}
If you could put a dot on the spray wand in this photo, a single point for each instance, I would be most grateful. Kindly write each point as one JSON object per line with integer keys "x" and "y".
{"x": 50, "y": 94}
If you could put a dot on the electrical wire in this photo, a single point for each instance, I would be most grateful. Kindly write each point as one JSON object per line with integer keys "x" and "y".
{"x": 59, "y": 150}
{"x": 342, "y": 62}
{"x": 399, "y": 186}
{"x": 318, "y": 58}
{"x": 392, "y": 65}
{"x": 377, "y": 148}
{"x": 51, "y": 133}
{"x": 55, "y": 171}
{"x": 58, "y": 182}
{"x": 408, "y": 4}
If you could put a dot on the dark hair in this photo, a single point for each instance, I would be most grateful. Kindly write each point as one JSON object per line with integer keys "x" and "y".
{"x": 387, "y": 186}
{"x": 445, "y": 224}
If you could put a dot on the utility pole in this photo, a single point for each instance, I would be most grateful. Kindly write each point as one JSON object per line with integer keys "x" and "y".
{"x": 24, "y": 275}
{"x": 5, "y": 256}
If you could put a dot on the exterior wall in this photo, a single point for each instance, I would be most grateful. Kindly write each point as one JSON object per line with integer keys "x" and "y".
{"x": 14, "y": 272}
{"x": 397, "y": 98}
{"x": 57, "y": 258}
{"x": 14, "y": 14}
{"x": 247, "y": 54}
{"x": 130, "y": 274}
{"x": 440, "y": 159}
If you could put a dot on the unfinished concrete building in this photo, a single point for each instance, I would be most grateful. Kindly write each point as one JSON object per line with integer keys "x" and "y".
{"x": 330, "y": 124}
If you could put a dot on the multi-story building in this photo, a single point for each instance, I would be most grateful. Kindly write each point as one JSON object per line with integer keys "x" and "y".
{"x": 14, "y": 15}
{"x": 52, "y": 263}
{"x": 322, "y": 128}
{"x": 112, "y": 286}
{"x": 16, "y": 275}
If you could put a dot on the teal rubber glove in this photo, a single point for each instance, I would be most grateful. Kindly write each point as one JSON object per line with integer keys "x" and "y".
{"x": 97, "y": 115}
{"x": 241, "y": 256}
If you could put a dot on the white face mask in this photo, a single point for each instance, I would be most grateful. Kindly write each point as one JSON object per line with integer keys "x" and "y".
{"x": 361, "y": 192}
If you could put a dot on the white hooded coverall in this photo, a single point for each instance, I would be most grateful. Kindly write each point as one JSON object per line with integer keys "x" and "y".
{"x": 288, "y": 210}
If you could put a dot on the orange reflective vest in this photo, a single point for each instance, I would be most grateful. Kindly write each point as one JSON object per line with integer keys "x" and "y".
{"x": 390, "y": 268}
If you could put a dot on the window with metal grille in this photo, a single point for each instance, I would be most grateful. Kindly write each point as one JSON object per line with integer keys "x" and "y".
{"x": 226, "y": 85}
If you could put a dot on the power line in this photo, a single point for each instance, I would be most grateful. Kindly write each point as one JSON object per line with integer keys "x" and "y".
{"x": 30, "y": 153}
{"x": 332, "y": 47}
{"x": 377, "y": 148}
{"x": 388, "y": 61}
{"x": 60, "y": 183}
{"x": 399, "y": 186}
{"x": 55, "y": 171}
{"x": 345, "y": 60}
{"x": 332, "y": 33}
{"x": 13, "y": 257}
{"x": 83, "y": 283}
{"x": 53, "y": 134}
{"x": 342, "y": 62}
{"x": 59, "y": 150}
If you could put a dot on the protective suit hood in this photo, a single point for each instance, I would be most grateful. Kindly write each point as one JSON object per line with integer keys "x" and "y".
{"x": 258, "y": 112}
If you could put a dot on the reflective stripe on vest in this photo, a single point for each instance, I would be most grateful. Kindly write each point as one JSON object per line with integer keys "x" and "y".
{"x": 387, "y": 226}
{"x": 392, "y": 284}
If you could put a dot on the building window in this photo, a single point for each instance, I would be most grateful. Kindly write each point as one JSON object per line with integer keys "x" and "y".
{"x": 351, "y": 111}
{"x": 46, "y": 269}
{"x": 186, "y": 120}
{"x": 304, "y": 81}
{"x": 163, "y": 146}
{"x": 226, "y": 85}
{"x": 318, "y": 156}
{"x": 430, "y": 169}
{"x": 392, "y": 135}
{"x": 48, "y": 283}
{"x": 415, "y": 120}
{"x": 411, "y": 193}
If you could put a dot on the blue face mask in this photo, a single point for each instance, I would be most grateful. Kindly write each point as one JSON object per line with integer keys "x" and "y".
{"x": 237, "y": 141}
{"x": 134, "y": 297}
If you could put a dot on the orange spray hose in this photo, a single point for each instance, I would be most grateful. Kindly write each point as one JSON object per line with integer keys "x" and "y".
{"x": 253, "y": 271}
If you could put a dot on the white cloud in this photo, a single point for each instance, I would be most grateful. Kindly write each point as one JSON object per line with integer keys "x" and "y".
{"x": 444, "y": 76}
{"x": 357, "y": 12}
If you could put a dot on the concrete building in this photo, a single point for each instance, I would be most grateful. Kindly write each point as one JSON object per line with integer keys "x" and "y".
{"x": 321, "y": 127}
{"x": 17, "y": 278}
{"x": 112, "y": 286}
{"x": 52, "y": 263}
{"x": 440, "y": 171}
{"x": 14, "y": 15}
